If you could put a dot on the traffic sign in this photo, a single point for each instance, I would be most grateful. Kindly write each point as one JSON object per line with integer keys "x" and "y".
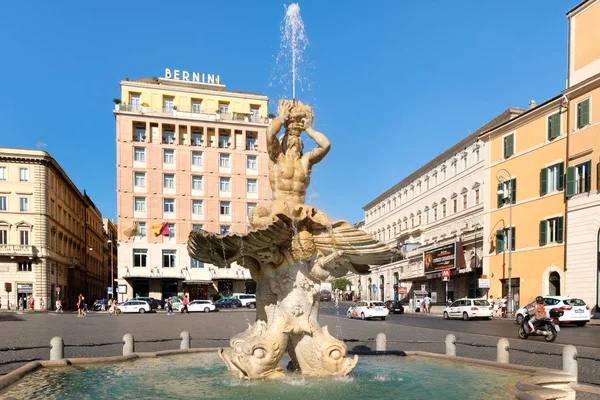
{"x": 58, "y": 289}
{"x": 110, "y": 290}
{"x": 445, "y": 275}
{"x": 484, "y": 283}
{"x": 402, "y": 290}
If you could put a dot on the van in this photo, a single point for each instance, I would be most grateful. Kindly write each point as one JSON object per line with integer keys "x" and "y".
{"x": 248, "y": 300}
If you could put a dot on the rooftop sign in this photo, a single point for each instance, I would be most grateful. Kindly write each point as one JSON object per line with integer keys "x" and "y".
{"x": 198, "y": 77}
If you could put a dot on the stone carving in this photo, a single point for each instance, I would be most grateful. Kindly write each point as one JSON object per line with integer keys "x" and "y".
{"x": 291, "y": 249}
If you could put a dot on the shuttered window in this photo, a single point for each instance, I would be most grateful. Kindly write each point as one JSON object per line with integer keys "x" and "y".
{"x": 553, "y": 126}
{"x": 579, "y": 179}
{"x": 551, "y": 231}
{"x": 504, "y": 192}
{"x": 502, "y": 240}
{"x": 552, "y": 178}
{"x": 509, "y": 145}
{"x": 583, "y": 113}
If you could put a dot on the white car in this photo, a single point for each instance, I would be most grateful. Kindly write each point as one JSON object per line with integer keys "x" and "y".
{"x": 201, "y": 305}
{"x": 177, "y": 303}
{"x": 575, "y": 310}
{"x": 368, "y": 309}
{"x": 469, "y": 308}
{"x": 248, "y": 300}
{"x": 133, "y": 306}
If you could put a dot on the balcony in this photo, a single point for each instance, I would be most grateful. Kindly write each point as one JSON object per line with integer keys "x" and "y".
{"x": 18, "y": 250}
{"x": 195, "y": 113}
{"x": 229, "y": 273}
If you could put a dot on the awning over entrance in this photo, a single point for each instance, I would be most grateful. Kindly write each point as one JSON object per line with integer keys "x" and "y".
{"x": 197, "y": 282}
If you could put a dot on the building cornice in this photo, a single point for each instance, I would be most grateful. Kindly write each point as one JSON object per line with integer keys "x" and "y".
{"x": 173, "y": 88}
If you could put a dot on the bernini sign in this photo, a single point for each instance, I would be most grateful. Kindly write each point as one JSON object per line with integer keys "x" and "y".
{"x": 192, "y": 76}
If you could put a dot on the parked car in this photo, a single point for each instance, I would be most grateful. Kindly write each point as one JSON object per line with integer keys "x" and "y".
{"x": 368, "y": 309}
{"x": 161, "y": 304}
{"x": 177, "y": 303}
{"x": 134, "y": 306}
{"x": 574, "y": 309}
{"x": 248, "y": 300}
{"x": 325, "y": 295}
{"x": 394, "y": 307}
{"x": 229, "y": 302}
{"x": 201, "y": 305}
{"x": 97, "y": 306}
{"x": 151, "y": 301}
{"x": 469, "y": 308}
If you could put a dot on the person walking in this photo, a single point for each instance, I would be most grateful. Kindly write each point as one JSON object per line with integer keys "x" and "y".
{"x": 58, "y": 306}
{"x": 185, "y": 305}
{"x": 115, "y": 308}
{"x": 41, "y": 303}
{"x": 31, "y": 302}
{"x": 21, "y": 303}
{"x": 170, "y": 307}
{"x": 427, "y": 304}
{"x": 103, "y": 305}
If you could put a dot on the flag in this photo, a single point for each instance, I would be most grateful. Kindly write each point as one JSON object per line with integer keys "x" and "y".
{"x": 130, "y": 232}
{"x": 164, "y": 229}
{"x": 460, "y": 255}
{"x": 156, "y": 229}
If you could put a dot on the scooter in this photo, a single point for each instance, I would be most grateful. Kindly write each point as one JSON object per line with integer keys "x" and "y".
{"x": 548, "y": 327}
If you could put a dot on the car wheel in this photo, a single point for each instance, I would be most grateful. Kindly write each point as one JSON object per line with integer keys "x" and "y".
{"x": 362, "y": 316}
{"x": 446, "y": 316}
{"x": 519, "y": 319}
{"x": 160, "y": 307}
{"x": 207, "y": 309}
{"x": 142, "y": 311}
{"x": 252, "y": 305}
{"x": 581, "y": 323}
{"x": 465, "y": 316}
{"x": 383, "y": 318}
{"x": 349, "y": 315}
{"x": 234, "y": 306}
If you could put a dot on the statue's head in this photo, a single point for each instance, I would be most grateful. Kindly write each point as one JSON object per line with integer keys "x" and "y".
{"x": 298, "y": 112}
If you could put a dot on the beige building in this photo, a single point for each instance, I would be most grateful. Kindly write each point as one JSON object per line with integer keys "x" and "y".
{"x": 111, "y": 258}
{"x": 50, "y": 233}
{"x": 190, "y": 155}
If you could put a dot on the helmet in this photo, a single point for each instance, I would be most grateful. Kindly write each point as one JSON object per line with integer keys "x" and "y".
{"x": 539, "y": 299}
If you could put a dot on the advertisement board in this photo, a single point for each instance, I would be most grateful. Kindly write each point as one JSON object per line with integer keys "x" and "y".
{"x": 439, "y": 259}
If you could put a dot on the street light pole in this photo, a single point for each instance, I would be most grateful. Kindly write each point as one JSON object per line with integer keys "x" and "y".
{"x": 509, "y": 306}
{"x": 112, "y": 279}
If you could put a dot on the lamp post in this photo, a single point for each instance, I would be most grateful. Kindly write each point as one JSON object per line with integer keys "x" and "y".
{"x": 501, "y": 179}
{"x": 112, "y": 278}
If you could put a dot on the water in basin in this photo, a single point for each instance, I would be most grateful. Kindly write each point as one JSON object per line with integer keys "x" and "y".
{"x": 203, "y": 376}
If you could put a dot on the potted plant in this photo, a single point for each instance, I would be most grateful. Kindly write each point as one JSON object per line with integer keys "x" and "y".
{"x": 117, "y": 103}
{"x": 218, "y": 113}
{"x": 271, "y": 117}
{"x": 145, "y": 107}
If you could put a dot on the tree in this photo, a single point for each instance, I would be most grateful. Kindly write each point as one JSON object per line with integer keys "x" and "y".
{"x": 340, "y": 283}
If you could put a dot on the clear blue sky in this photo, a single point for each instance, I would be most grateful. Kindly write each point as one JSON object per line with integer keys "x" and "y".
{"x": 393, "y": 84}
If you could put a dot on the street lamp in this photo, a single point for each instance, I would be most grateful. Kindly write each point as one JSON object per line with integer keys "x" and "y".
{"x": 112, "y": 278}
{"x": 509, "y": 195}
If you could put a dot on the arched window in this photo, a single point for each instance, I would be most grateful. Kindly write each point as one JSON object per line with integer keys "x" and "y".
{"x": 554, "y": 281}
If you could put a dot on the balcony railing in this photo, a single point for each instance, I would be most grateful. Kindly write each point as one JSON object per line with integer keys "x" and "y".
{"x": 195, "y": 113}
{"x": 16, "y": 250}
{"x": 229, "y": 273}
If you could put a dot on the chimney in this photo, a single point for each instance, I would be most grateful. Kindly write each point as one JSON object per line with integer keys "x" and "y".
{"x": 531, "y": 104}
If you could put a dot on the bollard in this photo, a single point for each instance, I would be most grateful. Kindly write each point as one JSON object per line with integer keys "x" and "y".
{"x": 57, "y": 348}
{"x": 450, "y": 345}
{"x": 128, "y": 344}
{"x": 502, "y": 351}
{"x": 569, "y": 357}
{"x": 185, "y": 340}
{"x": 381, "y": 342}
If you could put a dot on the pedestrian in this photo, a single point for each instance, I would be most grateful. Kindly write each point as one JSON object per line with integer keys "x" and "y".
{"x": 21, "y": 303}
{"x": 185, "y": 305}
{"x": 169, "y": 307}
{"x": 114, "y": 308}
{"x": 496, "y": 306}
{"x": 58, "y": 306}
{"x": 103, "y": 303}
{"x": 504, "y": 304}
{"x": 41, "y": 303}
{"x": 516, "y": 301}
{"x": 427, "y": 304}
{"x": 410, "y": 305}
{"x": 31, "y": 302}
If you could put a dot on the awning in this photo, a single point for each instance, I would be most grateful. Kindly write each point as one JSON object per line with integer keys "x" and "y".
{"x": 197, "y": 282}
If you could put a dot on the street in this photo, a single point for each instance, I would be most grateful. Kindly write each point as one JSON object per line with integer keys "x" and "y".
{"x": 215, "y": 329}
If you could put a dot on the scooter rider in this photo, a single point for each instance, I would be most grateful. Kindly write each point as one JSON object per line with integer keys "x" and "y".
{"x": 537, "y": 313}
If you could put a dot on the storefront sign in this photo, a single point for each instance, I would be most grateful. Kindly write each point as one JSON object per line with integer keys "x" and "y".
{"x": 123, "y": 289}
{"x": 7, "y": 287}
{"x": 483, "y": 283}
{"x": 402, "y": 290}
{"x": 439, "y": 259}
{"x": 445, "y": 275}
{"x": 192, "y": 76}
{"x": 24, "y": 287}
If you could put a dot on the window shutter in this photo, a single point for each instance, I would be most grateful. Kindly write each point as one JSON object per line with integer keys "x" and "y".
{"x": 499, "y": 241}
{"x": 561, "y": 176}
{"x": 513, "y": 190}
{"x": 571, "y": 181}
{"x": 543, "y": 181}
{"x": 554, "y": 126}
{"x": 543, "y": 232}
{"x": 513, "y": 238}
{"x": 500, "y": 202}
{"x": 588, "y": 176}
{"x": 509, "y": 144}
{"x": 559, "y": 232}
{"x": 583, "y": 114}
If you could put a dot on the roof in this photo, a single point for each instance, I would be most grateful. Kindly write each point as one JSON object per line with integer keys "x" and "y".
{"x": 156, "y": 81}
{"x": 502, "y": 118}
{"x": 579, "y": 6}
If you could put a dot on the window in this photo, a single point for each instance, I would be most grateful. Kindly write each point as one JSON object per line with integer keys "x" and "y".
{"x": 464, "y": 201}
{"x": 139, "y": 154}
{"x": 251, "y": 162}
{"x": 140, "y": 204}
{"x": 579, "y": 179}
{"x": 224, "y": 184}
{"x": 141, "y": 229}
{"x": 250, "y": 143}
{"x": 197, "y": 158}
{"x": 24, "y": 266}
{"x": 24, "y": 238}
{"x": 197, "y": 207}
{"x": 169, "y": 205}
{"x": 197, "y": 227}
{"x": 139, "y": 134}
{"x": 254, "y": 110}
{"x": 509, "y": 145}
{"x": 455, "y": 206}
{"x": 3, "y": 173}
{"x": 504, "y": 192}
{"x": 551, "y": 179}
{"x": 196, "y": 139}
{"x": 465, "y": 163}
{"x": 3, "y": 236}
{"x": 224, "y": 229}
{"x": 224, "y": 160}
{"x": 224, "y": 208}
{"x": 23, "y": 174}
{"x": 23, "y": 204}
{"x": 197, "y": 182}
{"x": 249, "y": 208}
{"x": 444, "y": 172}
{"x": 3, "y": 203}
{"x": 168, "y": 181}
{"x": 443, "y": 210}
{"x": 169, "y": 137}
{"x": 551, "y": 231}
{"x": 502, "y": 239}
{"x": 169, "y": 156}
{"x": 427, "y": 183}
{"x": 134, "y": 101}
{"x": 224, "y": 108}
{"x": 197, "y": 106}
{"x": 435, "y": 213}
{"x": 224, "y": 141}
{"x": 420, "y": 219}
{"x": 476, "y": 196}
{"x": 554, "y": 126}
{"x": 171, "y": 230}
{"x": 251, "y": 186}
{"x": 140, "y": 257}
{"x": 583, "y": 113}
{"x": 196, "y": 264}
{"x": 477, "y": 155}
{"x": 455, "y": 168}
{"x": 169, "y": 258}
{"x": 139, "y": 179}
{"x": 168, "y": 105}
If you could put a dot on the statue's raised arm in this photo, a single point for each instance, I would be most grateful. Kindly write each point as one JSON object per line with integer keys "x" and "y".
{"x": 323, "y": 145}
{"x": 273, "y": 144}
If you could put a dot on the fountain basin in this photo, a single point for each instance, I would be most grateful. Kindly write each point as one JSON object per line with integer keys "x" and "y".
{"x": 202, "y": 375}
